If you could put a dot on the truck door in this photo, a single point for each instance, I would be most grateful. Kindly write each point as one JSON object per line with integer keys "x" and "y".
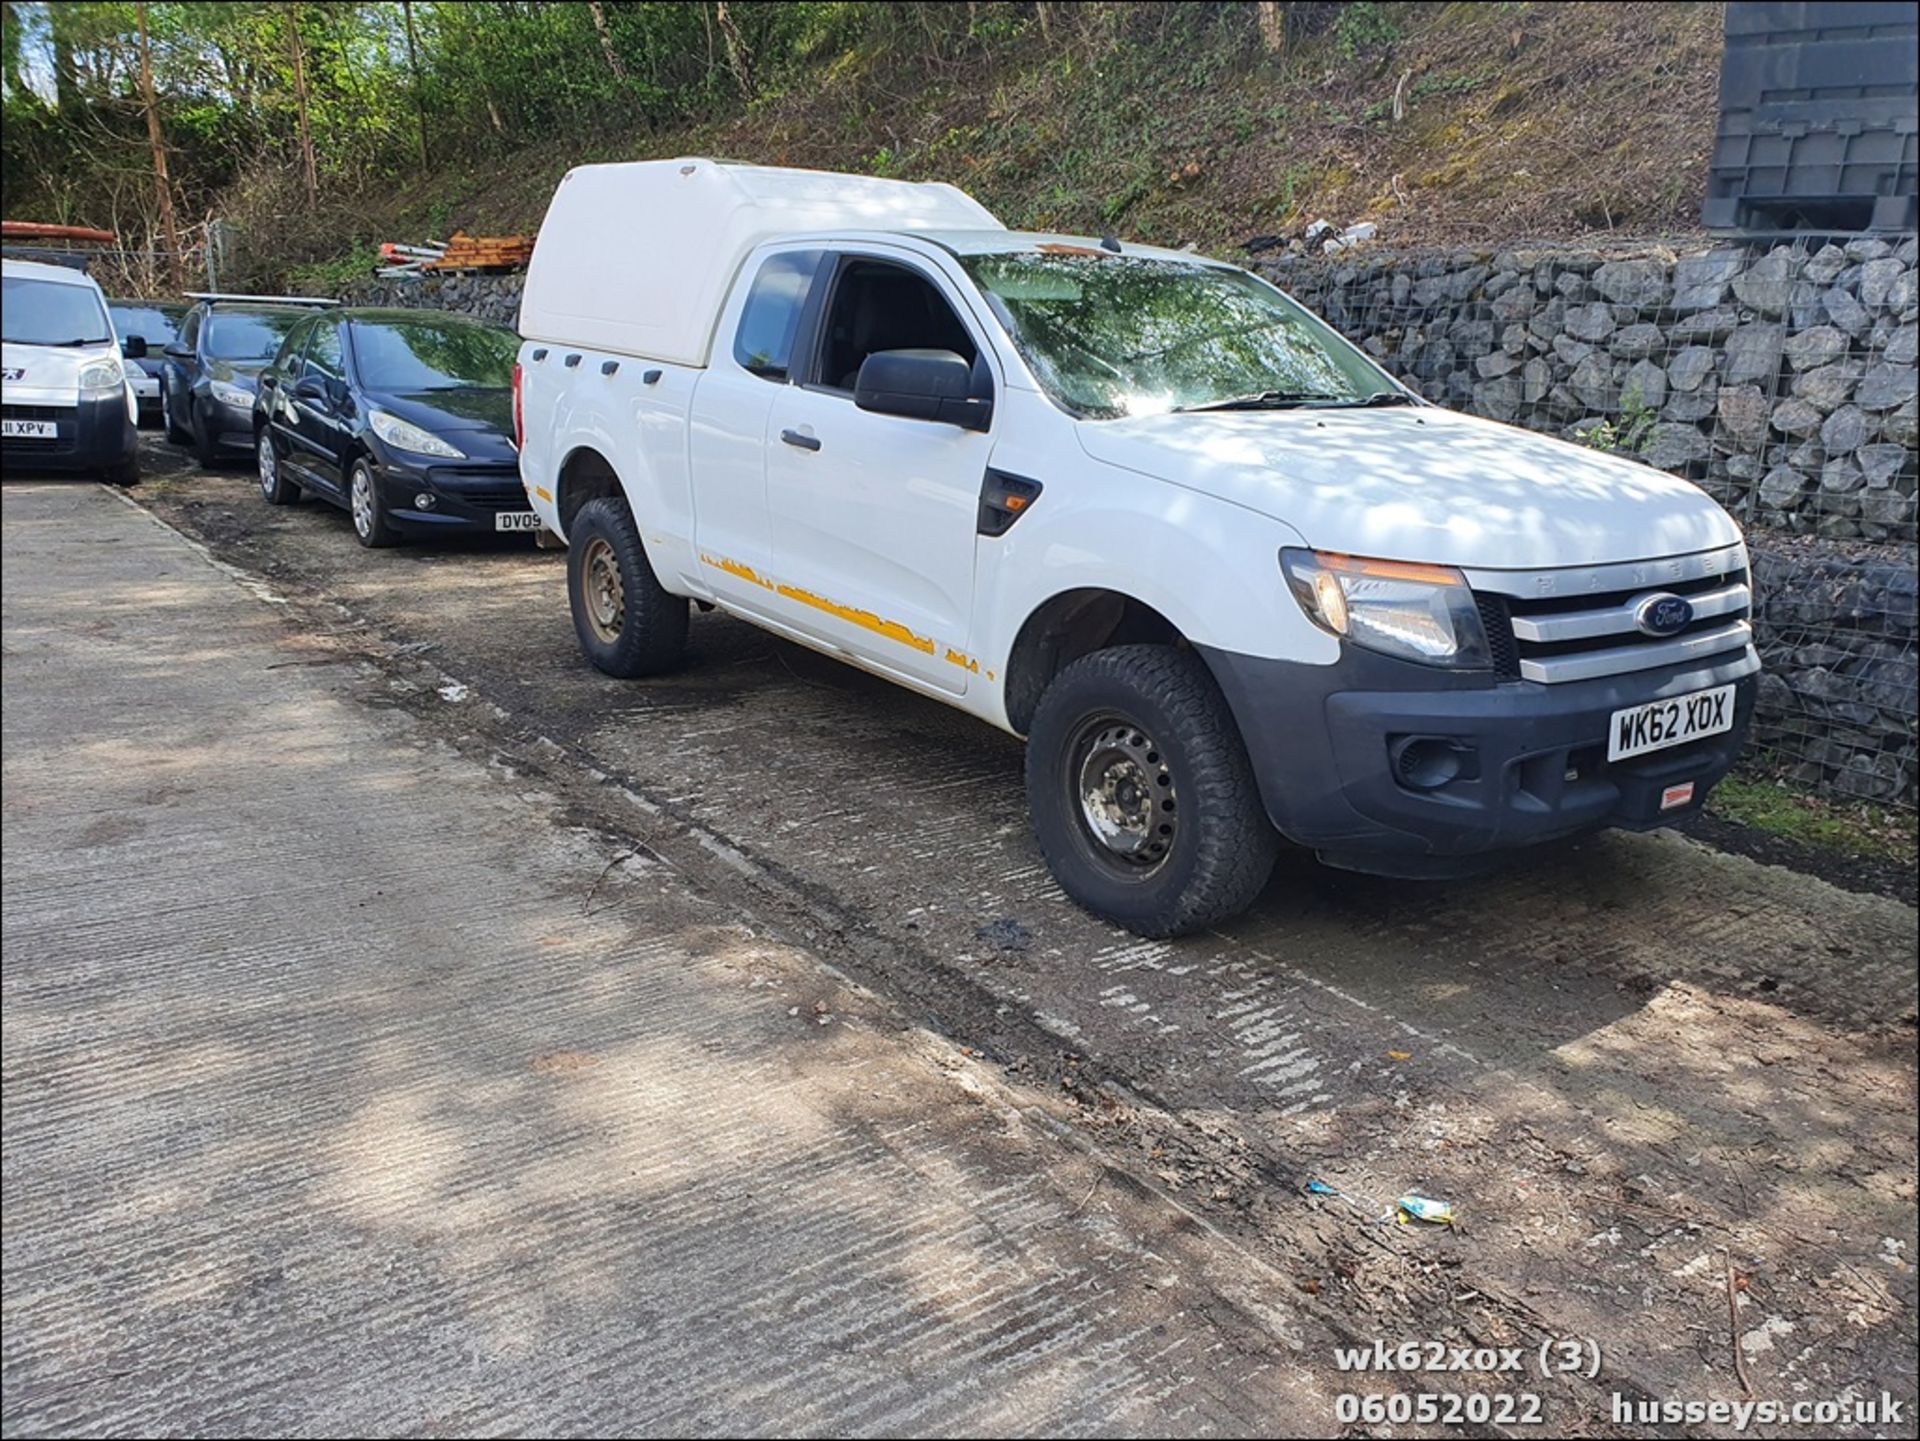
{"x": 874, "y": 516}
{"x": 727, "y": 450}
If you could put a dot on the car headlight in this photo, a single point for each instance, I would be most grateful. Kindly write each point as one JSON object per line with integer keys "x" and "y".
{"x": 1422, "y": 613}
{"x": 227, "y": 393}
{"x": 103, "y": 375}
{"x": 403, "y": 436}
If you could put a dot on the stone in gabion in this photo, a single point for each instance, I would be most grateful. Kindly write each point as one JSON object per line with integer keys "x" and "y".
{"x": 1881, "y": 462}
{"x": 1753, "y": 352}
{"x": 1498, "y": 399}
{"x": 1496, "y": 364}
{"x": 1828, "y": 386}
{"x": 1838, "y": 477}
{"x": 1886, "y": 507}
{"x": 1641, "y": 284}
{"x": 1637, "y": 341}
{"x": 1904, "y": 298}
{"x": 1592, "y": 382}
{"x": 1903, "y": 346}
{"x": 1716, "y": 324}
{"x": 1744, "y": 413}
{"x": 1885, "y": 386}
{"x": 1512, "y": 305}
{"x": 1547, "y": 320}
{"x": 1644, "y": 386}
{"x": 1767, "y": 284}
{"x": 1848, "y": 314}
{"x": 1796, "y": 418}
{"x": 1845, "y": 431}
{"x": 1590, "y": 322}
{"x": 1902, "y": 425}
{"x": 1670, "y": 446}
{"x": 1692, "y": 404}
{"x": 1876, "y": 280}
{"x": 1690, "y": 366}
{"x": 1829, "y": 262}
{"x": 1781, "y": 487}
{"x": 1867, "y": 247}
{"x": 1822, "y": 345}
{"x": 1535, "y": 378}
{"x": 1700, "y": 281}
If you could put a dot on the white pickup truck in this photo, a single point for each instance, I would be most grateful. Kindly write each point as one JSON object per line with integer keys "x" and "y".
{"x": 1228, "y": 578}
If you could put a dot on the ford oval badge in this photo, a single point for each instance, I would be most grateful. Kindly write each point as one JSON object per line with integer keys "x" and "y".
{"x": 1663, "y": 615}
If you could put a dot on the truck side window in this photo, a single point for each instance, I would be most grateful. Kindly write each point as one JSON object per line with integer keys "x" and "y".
{"x": 764, "y": 342}
{"x": 877, "y": 306}
{"x": 291, "y": 347}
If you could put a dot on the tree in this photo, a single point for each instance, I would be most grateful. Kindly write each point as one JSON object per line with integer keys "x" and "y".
{"x": 307, "y": 166}
{"x": 162, "y": 184}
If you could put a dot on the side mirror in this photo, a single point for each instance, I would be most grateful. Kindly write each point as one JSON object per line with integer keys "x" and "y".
{"x": 337, "y": 394}
{"x": 922, "y": 385}
{"x": 312, "y": 388}
{"x": 177, "y": 351}
{"x": 134, "y": 347}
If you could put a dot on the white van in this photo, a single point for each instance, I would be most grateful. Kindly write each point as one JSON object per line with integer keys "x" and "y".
{"x": 1231, "y": 580}
{"x": 65, "y": 400}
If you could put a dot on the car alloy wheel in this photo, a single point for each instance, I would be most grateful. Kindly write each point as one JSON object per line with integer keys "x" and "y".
{"x": 269, "y": 466}
{"x": 362, "y": 497}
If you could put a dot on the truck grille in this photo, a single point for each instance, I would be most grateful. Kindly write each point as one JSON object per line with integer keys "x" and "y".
{"x": 61, "y": 415}
{"x": 1557, "y": 626}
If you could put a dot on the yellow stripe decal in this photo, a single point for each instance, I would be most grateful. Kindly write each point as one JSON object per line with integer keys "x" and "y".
{"x": 865, "y": 619}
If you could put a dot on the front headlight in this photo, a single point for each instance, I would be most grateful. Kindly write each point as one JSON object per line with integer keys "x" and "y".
{"x": 403, "y": 436}
{"x": 103, "y": 375}
{"x": 1423, "y": 613}
{"x": 227, "y": 393}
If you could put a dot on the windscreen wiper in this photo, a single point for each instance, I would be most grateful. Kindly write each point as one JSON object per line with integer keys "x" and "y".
{"x": 1385, "y": 397}
{"x": 1262, "y": 400}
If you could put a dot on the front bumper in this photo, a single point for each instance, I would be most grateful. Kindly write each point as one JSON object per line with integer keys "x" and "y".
{"x": 95, "y": 436}
{"x": 230, "y": 427}
{"x": 467, "y": 495}
{"x": 1323, "y": 742}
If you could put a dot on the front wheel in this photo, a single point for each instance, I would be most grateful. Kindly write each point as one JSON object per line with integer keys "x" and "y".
{"x": 1142, "y": 796}
{"x": 175, "y": 431}
{"x": 370, "y": 524}
{"x": 627, "y": 622}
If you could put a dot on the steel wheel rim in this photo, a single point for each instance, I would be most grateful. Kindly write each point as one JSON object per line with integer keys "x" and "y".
{"x": 1124, "y": 792}
{"x": 604, "y": 590}
{"x": 269, "y": 467}
{"x": 362, "y": 500}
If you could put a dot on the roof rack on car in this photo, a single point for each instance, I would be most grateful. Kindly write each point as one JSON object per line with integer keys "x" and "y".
{"x": 217, "y": 295}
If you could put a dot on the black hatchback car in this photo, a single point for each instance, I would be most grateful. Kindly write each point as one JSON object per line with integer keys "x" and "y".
{"x": 209, "y": 371}
{"x": 403, "y": 417}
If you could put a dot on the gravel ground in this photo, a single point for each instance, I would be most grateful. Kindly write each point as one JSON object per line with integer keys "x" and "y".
{"x": 1636, "y": 1065}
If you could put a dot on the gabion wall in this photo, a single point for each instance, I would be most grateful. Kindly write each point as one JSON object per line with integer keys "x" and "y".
{"x": 1780, "y": 379}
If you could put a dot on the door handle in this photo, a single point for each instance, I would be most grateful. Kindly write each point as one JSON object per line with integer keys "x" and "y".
{"x": 805, "y": 442}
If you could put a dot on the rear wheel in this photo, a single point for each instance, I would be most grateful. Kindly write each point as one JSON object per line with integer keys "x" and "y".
{"x": 370, "y": 523}
{"x": 627, "y": 622}
{"x": 127, "y": 472}
{"x": 274, "y": 484}
{"x": 1143, "y": 800}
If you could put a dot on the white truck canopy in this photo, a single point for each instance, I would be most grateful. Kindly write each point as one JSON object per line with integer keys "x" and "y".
{"x": 638, "y": 258}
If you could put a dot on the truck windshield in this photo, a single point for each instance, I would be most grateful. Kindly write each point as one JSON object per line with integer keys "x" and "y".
{"x": 1112, "y": 335}
{"x": 46, "y": 312}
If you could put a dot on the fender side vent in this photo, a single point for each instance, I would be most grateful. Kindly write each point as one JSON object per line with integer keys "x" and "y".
{"x": 1004, "y": 499}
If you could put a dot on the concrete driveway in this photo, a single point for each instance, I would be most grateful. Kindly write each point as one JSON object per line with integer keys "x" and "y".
{"x": 1642, "y": 1070}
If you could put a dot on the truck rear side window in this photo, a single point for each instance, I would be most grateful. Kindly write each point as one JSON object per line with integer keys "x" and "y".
{"x": 764, "y": 342}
